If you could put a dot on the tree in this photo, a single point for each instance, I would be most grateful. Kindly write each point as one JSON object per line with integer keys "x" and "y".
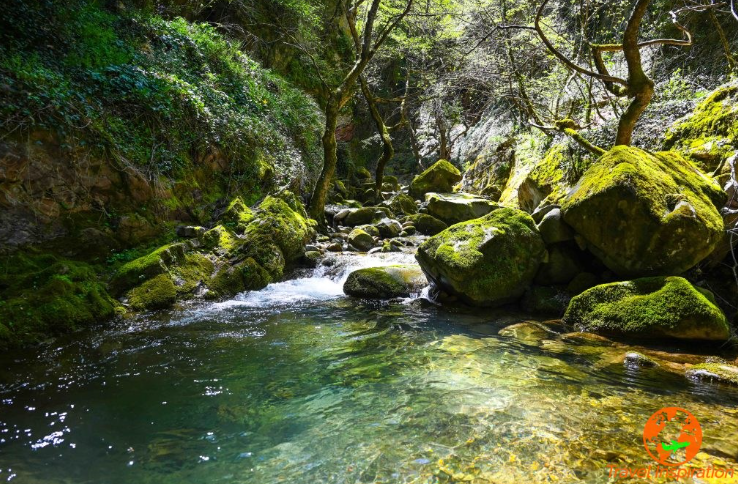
{"x": 366, "y": 44}
{"x": 637, "y": 86}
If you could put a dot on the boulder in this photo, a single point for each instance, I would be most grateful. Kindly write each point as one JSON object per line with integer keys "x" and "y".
{"x": 562, "y": 265}
{"x": 548, "y": 180}
{"x": 360, "y": 240}
{"x": 545, "y": 300}
{"x": 401, "y": 203}
{"x": 645, "y": 214}
{"x": 553, "y": 229}
{"x": 651, "y": 307}
{"x": 488, "y": 261}
{"x": 426, "y": 224}
{"x": 385, "y": 282}
{"x": 453, "y": 208}
{"x": 365, "y": 215}
{"x": 440, "y": 177}
{"x": 389, "y": 228}
{"x": 714, "y": 372}
{"x": 710, "y": 134}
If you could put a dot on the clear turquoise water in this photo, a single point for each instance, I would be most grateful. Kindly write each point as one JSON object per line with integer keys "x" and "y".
{"x": 297, "y": 384}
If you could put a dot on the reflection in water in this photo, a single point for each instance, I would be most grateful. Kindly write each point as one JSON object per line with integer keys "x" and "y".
{"x": 298, "y": 384}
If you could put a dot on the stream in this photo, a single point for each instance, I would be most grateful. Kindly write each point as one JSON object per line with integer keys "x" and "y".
{"x": 298, "y": 383}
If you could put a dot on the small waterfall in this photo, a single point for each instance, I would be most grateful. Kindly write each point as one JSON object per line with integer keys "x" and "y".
{"x": 324, "y": 283}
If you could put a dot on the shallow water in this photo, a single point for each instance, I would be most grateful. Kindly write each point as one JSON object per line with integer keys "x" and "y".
{"x": 299, "y": 384}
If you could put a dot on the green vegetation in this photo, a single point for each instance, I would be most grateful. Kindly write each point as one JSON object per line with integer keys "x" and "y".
{"x": 385, "y": 282}
{"x": 654, "y": 307}
{"x": 440, "y": 177}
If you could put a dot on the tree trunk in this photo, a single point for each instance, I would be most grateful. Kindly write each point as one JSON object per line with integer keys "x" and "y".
{"x": 640, "y": 87}
{"x": 316, "y": 208}
{"x": 388, "y": 150}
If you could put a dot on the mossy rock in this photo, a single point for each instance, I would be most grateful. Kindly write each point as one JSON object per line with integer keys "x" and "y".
{"x": 491, "y": 170}
{"x": 366, "y": 215}
{"x": 362, "y": 173}
{"x": 157, "y": 293}
{"x": 385, "y": 282}
{"x": 426, "y": 224}
{"x": 453, "y": 208}
{"x": 402, "y": 204}
{"x": 710, "y": 134}
{"x": 488, "y": 261}
{"x": 546, "y": 180}
{"x": 645, "y": 214}
{"x": 237, "y": 215}
{"x": 440, "y": 178}
{"x": 44, "y": 296}
{"x": 651, "y": 307}
{"x": 714, "y": 372}
{"x": 222, "y": 241}
{"x": 360, "y": 240}
{"x": 146, "y": 267}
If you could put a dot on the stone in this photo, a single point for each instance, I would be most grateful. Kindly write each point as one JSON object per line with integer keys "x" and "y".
{"x": 426, "y": 224}
{"x": 545, "y": 300}
{"x": 563, "y": 264}
{"x": 389, "y": 228}
{"x": 652, "y": 307}
{"x": 360, "y": 240}
{"x": 401, "y": 204}
{"x": 453, "y": 208}
{"x": 714, "y": 372}
{"x": 488, "y": 261}
{"x": 553, "y": 229}
{"x": 440, "y": 177}
{"x": 366, "y": 215}
{"x": 633, "y": 359}
{"x": 645, "y": 214}
{"x": 385, "y": 282}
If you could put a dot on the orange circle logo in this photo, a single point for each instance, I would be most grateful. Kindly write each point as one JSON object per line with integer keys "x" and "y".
{"x": 672, "y": 436}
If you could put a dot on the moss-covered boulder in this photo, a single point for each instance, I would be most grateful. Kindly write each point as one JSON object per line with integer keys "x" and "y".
{"x": 146, "y": 267}
{"x": 440, "y": 177}
{"x": 651, "y": 307}
{"x": 156, "y": 293}
{"x": 645, "y": 214}
{"x": 710, "y": 134}
{"x": 237, "y": 215}
{"x": 545, "y": 300}
{"x": 453, "y": 208}
{"x": 562, "y": 265}
{"x": 360, "y": 240}
{"x": 426, "y": 224}
{"x": 42, "y": 295}
{"x": 385, "y": 282}
{"x": 488, "y": 261}
{"x": 401, "y": 204}
{"x": 548, "y": 180}
{"x": 365, "y": 215}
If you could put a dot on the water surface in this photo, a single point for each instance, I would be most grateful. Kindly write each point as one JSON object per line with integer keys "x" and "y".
{"x": 299, "y": 384}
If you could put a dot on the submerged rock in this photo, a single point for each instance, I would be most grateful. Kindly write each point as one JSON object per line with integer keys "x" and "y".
{"x": 385, "y": 282}
{"x": 714, "y": 372}
{"x": 650, "y": 307}
{"x": 634, "y": 359}
{"x": 426, "y": 224}
{"x": 440, "y": 177}
{"x": 487, "y": 261}
{"x": 645, "y": 214}
{"x": 453, "y": 208}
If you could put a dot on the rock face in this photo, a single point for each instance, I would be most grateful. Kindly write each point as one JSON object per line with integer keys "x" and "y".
{"x": 652, "y": 307}
{"x": 385, "y": 282}
{"x": 453, "y": 208}
{"x": 645, "y": 214}
{"x": 440, "y": 177}
{"x": 426, "y": 224}
{"x": 487, "y": 261}
{"x": 710, "y": 134}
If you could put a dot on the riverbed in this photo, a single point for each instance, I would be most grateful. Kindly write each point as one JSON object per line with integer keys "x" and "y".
{"x": 298, "y": 383}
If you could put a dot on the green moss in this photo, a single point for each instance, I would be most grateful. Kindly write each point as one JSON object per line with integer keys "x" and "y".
{"x": 43, "y": 296}
{"x": 710, "y": 134}
{"x": 190, "y": 272}
{"x": 384, "y": 282}
{"x": 439, "y": 177}
{"x": 221, "y": 240}
{"x": 146, "y": 267}
{"x": 649, "y": 307}
{"x": 487, "y": 261}
{"x": 426, "y": 224}
{"x": 237, "y": 214}
{"x": 157, "y": 293}
{"x": 660, "y": 212}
